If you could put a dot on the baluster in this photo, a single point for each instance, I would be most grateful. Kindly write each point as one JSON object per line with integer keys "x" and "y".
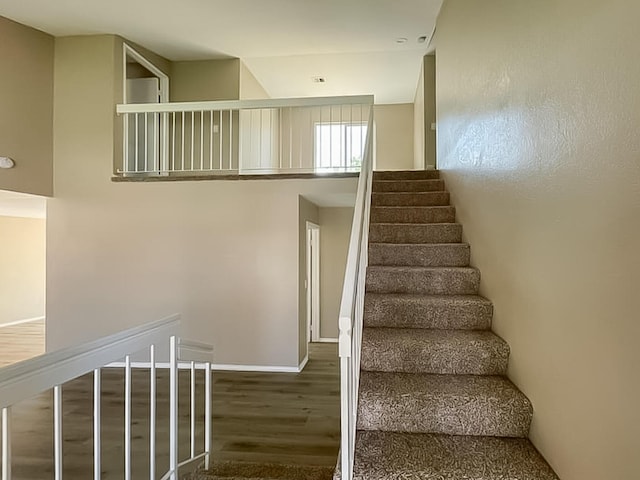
{"x": 211, "y": 141}
{"x": 6, "y": 443}
{"x": 173, "y": 408}
{"x": 57, "y": 432}
{"x": 207, "y": 413}
{"x": 97, "y": 427}
{"x": 127, "y": 417}
{"x": 152, "y": 412}
{"x": 173, "y": 142}
{"x": 220, "y": 140}
{"x": 193, "y": 134}
{"x": 231, "y": 139}
{"x": 183, "y": 145}
{"x": 136, "y": 148}
{"x": 193, "y": 409}
{"x": 146, "y": 142}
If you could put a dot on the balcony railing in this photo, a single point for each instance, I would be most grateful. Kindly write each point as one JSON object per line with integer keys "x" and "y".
{"x": 23, "y": 380}
{"x": 274, "y": 136}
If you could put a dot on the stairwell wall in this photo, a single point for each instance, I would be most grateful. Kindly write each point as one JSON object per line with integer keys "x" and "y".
{"x": 538, "y": 109}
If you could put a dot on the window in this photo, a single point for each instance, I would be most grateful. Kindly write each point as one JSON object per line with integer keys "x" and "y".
{"x": 339, "y": 146}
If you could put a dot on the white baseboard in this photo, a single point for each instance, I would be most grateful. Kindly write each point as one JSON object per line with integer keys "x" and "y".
{"x": 20, "y": 322}
{"x": 220, "y": 367}
{"x": 327, "y": 340}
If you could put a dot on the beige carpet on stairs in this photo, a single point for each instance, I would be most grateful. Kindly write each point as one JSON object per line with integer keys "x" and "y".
{"x": 435, "y": 402}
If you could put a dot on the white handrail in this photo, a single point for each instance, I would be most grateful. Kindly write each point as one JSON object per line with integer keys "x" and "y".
{"x": 351, "y": 311}
{"x": 28, "y": 378}
{"x": 243, "y": 104}
{"x": 50, "y": 371}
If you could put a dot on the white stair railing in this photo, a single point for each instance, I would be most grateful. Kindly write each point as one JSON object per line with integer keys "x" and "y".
{"x": 272, "y": 136}
{"x": 26, "y": 379}
{"x": 351, "y": 313}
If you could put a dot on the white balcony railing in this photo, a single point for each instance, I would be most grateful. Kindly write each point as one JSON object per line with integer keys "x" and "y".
{"x": 351, "y": 315}
{"x": 24, "y": 380}
{"x": 274, "y": 136}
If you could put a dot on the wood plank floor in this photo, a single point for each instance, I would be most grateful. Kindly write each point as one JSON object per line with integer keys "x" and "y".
{"x": 258, "y": 417}
{"x": 21, "y": 342}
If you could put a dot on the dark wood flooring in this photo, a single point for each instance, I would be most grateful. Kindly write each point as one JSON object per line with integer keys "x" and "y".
{"x": 257, "y": 417}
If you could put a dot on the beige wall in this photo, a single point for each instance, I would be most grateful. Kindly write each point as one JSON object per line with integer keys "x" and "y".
{"x": 429, "y": 69}
{"x": 224, "y": 254}
{"x": 538, "y": 111}
{"x": 418, "y": 123}
{"x": 394, "y": 136}
{"x": 307, "y": 212}
{"x": 250, "y": 87}
{"x": 22, "y": 268}
{"x": 26, "y": 99}
{"x": 335, "y": 228}
{"x": 204, "y": 80}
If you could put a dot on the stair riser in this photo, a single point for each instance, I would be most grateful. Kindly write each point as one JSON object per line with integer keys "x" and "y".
{"x": 403, "y": 313}
{"x": 413, "y": 215}
{"x": 438, "y": 255}
{"x": 407, "y": 175}
{"x": 426, "y": 282}
{"x": 410, "y": 199}
{"x": 428, "y": 233}
{"x": 408, "y": 186}
{"x": 468, "y": 359}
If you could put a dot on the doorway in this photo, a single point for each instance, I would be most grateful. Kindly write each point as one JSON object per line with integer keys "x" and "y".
{"x": 313, "y": 282}
{"x": 143, "y": 83}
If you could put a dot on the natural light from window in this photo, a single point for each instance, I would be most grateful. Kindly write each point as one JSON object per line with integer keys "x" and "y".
{"x": 339, "y": 146}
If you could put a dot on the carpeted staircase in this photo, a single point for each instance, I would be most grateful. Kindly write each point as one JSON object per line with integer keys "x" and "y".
{"x": 434, "y": 399}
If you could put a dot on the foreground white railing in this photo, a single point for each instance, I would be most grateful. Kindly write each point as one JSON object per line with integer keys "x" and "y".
{"x": 273, "y": 136}
{"x": 351, "y": 314}
{"x": 50, "y": 371}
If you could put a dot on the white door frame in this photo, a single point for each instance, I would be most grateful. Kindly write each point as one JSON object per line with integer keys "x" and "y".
{"x": 313, "y": 281}
{"x": 164, "y": 78}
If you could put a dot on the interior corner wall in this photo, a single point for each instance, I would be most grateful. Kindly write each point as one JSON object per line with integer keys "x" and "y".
{"x": 22, "y": 268}
{"x": 26, "y": 115}
{"x": 394, "y": 136}
{"x": 307, "y": 212}
{"x": 538, "y": 143}
{"x": 205, "y": 80}
{"x": 419, "y": 124}
{"x": 250, "y": 86}
{"x": 335, "y": 231}
{"x": 429, "y": 83}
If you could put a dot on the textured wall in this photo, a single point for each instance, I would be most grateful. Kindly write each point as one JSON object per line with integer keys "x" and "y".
{"x": 335, "y": 228}
{"x": 394, "y": 136}
{"x": 26, "y": 108}
{"x": 538, "y": 114}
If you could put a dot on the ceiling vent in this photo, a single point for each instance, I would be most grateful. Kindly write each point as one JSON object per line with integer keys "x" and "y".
{"x": 318, "y": 79}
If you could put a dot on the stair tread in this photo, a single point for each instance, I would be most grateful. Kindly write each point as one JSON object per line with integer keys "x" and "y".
{"x": 399, "y": 268}
{"x": 422, "y": 245}
{"x": 392, "y": 456}
{"x": 415, "y": 224}
{"x": 411, "y": 350}
{"x": 451, "y": 404}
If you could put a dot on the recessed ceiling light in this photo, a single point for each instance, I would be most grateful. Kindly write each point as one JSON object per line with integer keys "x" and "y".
{"x": 401, "y": 40}
{"x": 422, "y": 39}
{"x": 318, "y": 79}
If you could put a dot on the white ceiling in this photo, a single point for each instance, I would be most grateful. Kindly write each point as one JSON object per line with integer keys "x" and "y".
{"x": 350, "y": 42}
{"x": 14, "y": 204}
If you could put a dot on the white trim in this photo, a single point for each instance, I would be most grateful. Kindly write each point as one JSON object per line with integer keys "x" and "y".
{"x": 163, "y": 77}
{"x": 304, "y": 362}
{"x": 244, "y": 104}
{"x": 313, "y": 294}
{"x": 20, "y": 322}
{"x": 184, "y": 365}
{"x": 327, "y": 340}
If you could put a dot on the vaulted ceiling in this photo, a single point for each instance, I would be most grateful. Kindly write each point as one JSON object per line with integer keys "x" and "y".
{"x": 352, "y": 43}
